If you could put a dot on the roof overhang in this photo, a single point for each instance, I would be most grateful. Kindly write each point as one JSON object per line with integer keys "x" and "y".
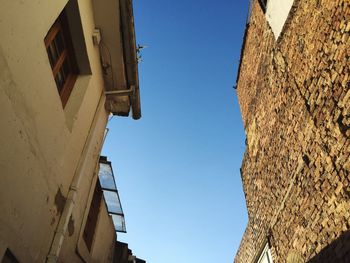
{"x": 118, "y": 52}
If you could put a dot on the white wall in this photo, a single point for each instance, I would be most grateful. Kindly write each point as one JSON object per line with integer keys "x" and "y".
{"x": 276, "y": 14}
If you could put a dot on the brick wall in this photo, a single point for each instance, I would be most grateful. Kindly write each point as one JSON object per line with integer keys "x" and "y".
{"x": 294, "y": 96}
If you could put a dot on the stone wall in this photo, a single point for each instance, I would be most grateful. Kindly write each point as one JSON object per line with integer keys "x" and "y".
{"x": 294, "y": 96}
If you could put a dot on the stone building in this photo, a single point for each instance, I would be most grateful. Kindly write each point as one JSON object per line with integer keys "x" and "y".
{"x": 65, "y": 66}
{"x": 294, "y": 93}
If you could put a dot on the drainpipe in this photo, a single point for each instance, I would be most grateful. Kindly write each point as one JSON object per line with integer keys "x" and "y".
{"x": 126, "y": 92}
{"x": 61, "y": 230}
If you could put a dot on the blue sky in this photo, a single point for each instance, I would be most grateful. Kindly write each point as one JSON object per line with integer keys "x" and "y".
{"x": 177, "y": 168}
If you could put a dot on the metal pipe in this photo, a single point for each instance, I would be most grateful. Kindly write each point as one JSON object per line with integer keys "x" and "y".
{"x": 121, "y": 92}
{"x": 62, "y": 226}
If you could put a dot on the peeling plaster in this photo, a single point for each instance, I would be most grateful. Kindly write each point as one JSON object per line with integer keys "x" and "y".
{"x": 60, "y": 201}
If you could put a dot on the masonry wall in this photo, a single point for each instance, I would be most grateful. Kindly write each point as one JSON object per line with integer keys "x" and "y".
{"x": 294, "y": 95}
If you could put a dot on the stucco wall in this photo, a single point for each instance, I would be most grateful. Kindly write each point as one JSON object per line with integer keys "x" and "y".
{"x": 295, "y": 107}
{"x": 276, "y": 13}
{"x": 74, "y": 248}
{"x": 42, "y": 143}
{"x": 104, "y": 243}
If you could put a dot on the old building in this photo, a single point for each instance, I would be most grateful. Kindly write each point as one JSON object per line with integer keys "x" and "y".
{"x": 65, "y": 66}
{"x": 294, "y": 93}
{"x": 124, "y": 254}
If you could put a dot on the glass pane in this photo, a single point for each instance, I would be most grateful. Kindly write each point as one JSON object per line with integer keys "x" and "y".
{"x": 106, "y": 177}
{"x": 59, "y": 43}
{"x": 113, "y": 202}
{"x": 59, "y": 80}
{"x": 119, "y": 223}
{"x": 65, "y": 68}
{"x": 53, "y": 56}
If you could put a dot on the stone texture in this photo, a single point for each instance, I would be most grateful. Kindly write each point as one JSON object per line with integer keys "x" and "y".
{"x": 294, "y": 95}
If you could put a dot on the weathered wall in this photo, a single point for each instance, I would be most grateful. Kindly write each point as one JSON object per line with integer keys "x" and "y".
{"x": 295, "y": 100}
{"x": 42, "y": 143}
{"x": 74, "y": 248}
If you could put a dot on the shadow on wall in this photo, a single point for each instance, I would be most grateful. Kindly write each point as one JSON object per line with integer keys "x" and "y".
{"x": 337, "y": 251}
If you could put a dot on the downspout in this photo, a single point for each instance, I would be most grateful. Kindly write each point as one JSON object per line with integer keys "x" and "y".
{"x": 126, "y": 92}
{"x": 62, "y": 226}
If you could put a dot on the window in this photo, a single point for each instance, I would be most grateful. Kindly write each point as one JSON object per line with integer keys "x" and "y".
{"x": 265, "y": 256}
{"x": 59, "y": 48}
{"x": 110, "y": 194}
{"x": 91, "y": 220}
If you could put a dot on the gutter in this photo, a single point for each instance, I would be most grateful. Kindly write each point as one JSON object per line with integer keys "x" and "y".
{"x": 62, "y": 226}
{"x": 115, "y": 36}
{"x": 130, "y": 55}
{"x": 242, "y": 53}
{"x": 247, "y": 25}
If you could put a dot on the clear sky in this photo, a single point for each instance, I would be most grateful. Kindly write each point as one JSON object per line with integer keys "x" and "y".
{"x": 177, "y": 168}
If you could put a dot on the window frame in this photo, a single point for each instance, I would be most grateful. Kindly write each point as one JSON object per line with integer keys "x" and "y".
{"x": 266, "y": 251}
{"x": 65, "y": 57}
{"x": 92, "y": 217}
{"x": 116, "y": 215}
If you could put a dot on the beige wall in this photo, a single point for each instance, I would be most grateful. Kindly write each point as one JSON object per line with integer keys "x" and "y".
{"x": 103, "y": 245}
{"x": 42, "y": 143}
